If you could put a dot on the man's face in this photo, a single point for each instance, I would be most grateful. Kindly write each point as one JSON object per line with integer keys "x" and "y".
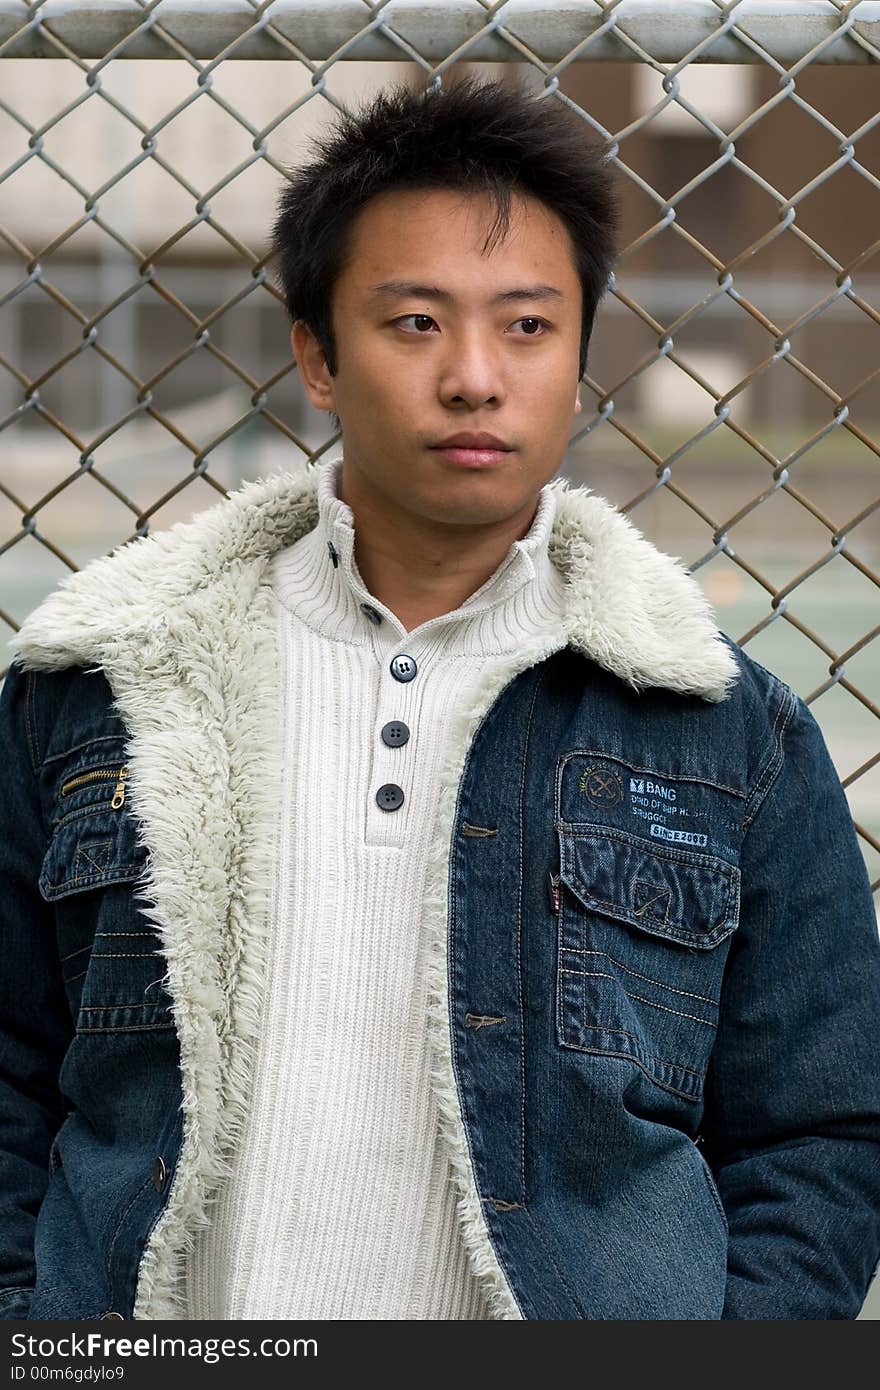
{"x": 414, "y": 368}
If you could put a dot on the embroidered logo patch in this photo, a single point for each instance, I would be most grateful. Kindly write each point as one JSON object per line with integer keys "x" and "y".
{"x": 601, "y": 786}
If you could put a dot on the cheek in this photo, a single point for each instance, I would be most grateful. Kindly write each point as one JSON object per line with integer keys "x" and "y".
{"x": 395, "y": 398}
{"x": 378, "y": 378}
{"x": 549, "y": 403}
{"x": 547, "y": 377}
{"x": 380, "y": 408}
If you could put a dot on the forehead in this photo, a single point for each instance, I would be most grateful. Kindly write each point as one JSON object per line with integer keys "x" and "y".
{"x": 415, "y": 234}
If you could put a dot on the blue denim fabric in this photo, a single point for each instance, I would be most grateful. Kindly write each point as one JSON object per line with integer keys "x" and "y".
{"x": 89, "y": 1062}
{"x": 664, "y": 980}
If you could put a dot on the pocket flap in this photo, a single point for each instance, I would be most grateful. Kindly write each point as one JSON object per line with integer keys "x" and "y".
{"x": 678, "y": 894}
{"x": 91, "y": 852}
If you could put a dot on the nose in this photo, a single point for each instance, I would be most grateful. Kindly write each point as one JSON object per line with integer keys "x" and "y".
{"x": 472, "y": 371}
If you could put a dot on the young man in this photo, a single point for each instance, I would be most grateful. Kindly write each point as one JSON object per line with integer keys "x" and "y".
{"x": 414, "y": 907}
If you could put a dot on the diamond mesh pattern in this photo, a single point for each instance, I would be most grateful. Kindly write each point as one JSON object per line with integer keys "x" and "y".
{"x": 716, "y": 477}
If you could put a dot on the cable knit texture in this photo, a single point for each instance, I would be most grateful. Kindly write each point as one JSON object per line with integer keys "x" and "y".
{"x": 339, "y": 1202}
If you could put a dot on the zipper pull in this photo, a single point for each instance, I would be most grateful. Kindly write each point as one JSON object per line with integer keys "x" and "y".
{"x": 119, "y": 793}
{"x": 553, "y": 892}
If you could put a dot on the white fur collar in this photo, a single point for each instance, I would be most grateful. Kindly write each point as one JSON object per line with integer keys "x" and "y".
{"x": 633, "y": 609}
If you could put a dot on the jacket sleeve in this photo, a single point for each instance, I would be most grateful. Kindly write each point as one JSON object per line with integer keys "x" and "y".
{"x": 35, "y": 1024}
{"x": 792, "y": 1103}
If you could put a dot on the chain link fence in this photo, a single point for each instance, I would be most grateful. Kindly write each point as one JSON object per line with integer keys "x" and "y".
{"x": 732, "y": 397}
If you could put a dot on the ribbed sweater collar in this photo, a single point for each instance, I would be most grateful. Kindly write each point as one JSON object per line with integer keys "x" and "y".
{"x": 317, "y": 579}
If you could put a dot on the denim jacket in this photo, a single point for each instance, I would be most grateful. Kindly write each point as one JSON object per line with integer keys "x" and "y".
{"x": 653, "y": 997}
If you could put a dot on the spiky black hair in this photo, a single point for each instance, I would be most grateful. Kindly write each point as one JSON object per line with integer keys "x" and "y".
{"x": 475, "y": 136}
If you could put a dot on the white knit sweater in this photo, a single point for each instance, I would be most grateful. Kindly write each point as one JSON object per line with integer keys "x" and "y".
{"x": 340, "y": 1203}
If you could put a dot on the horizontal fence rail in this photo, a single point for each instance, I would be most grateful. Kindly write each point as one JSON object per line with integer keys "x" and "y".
{"x": 788, "y": 31}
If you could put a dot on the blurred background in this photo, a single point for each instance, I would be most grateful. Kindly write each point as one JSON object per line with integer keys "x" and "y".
{"x": 732, "y": 395}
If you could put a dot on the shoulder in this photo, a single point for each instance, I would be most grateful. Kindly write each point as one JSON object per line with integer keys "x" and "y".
{"x": 789, "y": 738}
{"x": 133, "y": 593}
{"x": 51, "y": 710}
{"x": 765, "y": 699}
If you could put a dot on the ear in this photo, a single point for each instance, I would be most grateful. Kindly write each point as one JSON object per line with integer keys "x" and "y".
{"x": 312, "y": 366}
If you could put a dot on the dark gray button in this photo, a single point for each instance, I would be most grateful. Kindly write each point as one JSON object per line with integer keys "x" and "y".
{"x": 395, "y": 733}
{"x": 372, "y": 613}
{"x": 116, "y": 1317}
{"x": 390, "y": 797}
{"x": 403, "y": 668}
{"x": 334, "y": 554}
{"x": 159, "y": 1174}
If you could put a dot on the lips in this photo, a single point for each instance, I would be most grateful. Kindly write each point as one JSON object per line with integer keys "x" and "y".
{"x": 472, "y": 458}
{"x": 473, "y": 440}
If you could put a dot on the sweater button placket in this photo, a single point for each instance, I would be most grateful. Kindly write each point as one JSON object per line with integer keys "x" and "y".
{"x": 390, "y": 796}
{"x": 393, "y": 734}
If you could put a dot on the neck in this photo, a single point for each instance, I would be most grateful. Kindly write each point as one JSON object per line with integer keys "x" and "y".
{"x": 420, "y": 568}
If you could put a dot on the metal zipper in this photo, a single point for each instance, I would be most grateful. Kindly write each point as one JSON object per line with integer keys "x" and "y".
{"x": 101, "y": 774}
{"x": 553, "y": 892}
{"x": 119, "y": 791}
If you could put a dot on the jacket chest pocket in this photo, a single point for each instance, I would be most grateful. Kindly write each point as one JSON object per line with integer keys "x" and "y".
{"x": 111, "y": 958}
{"x": 643, "y": 936}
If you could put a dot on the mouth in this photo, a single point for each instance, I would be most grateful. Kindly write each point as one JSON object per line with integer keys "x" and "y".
{"x": 471, "y": 458}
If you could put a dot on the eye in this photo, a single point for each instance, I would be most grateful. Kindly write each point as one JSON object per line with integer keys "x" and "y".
{"x": 541, "y": 322}
{"x": 404, "y": 317}
{"x": 529, "y": 319}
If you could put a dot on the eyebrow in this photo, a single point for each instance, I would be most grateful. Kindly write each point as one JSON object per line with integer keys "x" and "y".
{"x": 400, "y": 289}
